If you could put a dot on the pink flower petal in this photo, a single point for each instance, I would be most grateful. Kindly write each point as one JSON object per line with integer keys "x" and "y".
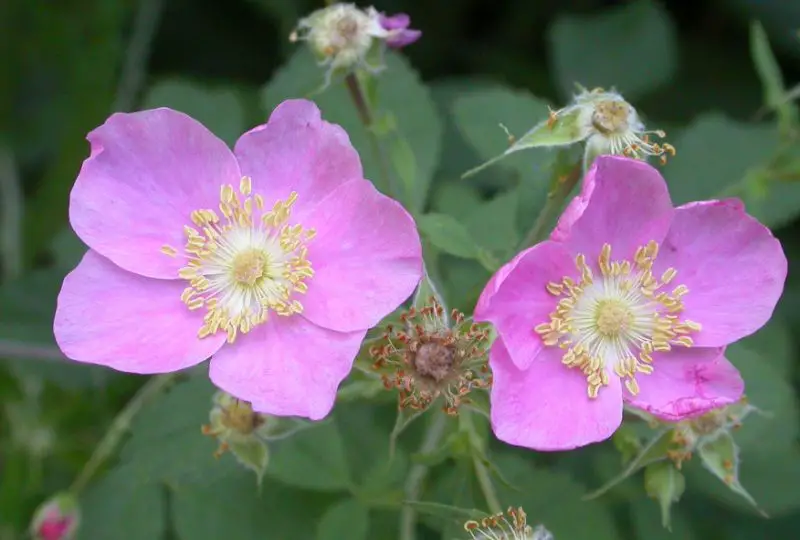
{"x": 287, "y": 366}
{"x": 546, "y": 407}
{"x": 687, "y": 383}
{"x": 109, "y": 316}
{"x": 297, "y": 151}
{"x": 521, "y": 301}
{"x": 628, "y": 206}
{"x": 734, "y": 268}
{"x": 575, "y": 208}
{"x": 367, "y": 258}
{"x": 494, "y": 283}
{"x": 147, "y": 172}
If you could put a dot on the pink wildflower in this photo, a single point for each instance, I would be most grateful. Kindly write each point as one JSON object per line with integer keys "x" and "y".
{"x": 274, "y": 258}
{"x": 630, "y": 299}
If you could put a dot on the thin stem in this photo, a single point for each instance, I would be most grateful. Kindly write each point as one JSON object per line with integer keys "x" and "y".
{"x": 120, "y": 425}
{"x": 417, "y": 475}
{"x": 135, "y": 67}
{"x": 484, "y": 479}
{"x": 11, "y": 208}
{"x": 487, "y": 487}
{"x": 555, "y": 199}
{"x": 367, "y": 118}
{"x": 23, "y": 351}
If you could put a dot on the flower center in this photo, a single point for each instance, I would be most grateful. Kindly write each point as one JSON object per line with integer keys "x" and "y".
{"x": 617, "y": 320}
{"x": 245, "y": 264}
{"x": 613, "y": 317}
{"x": 434, "y": 360}
{"x": 611, "y": 116}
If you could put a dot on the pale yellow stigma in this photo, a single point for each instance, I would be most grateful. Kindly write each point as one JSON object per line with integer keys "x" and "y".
{"x": 611, "y": 116}
{"x": 616, "y": 321}
{"x": 244, "y": 261}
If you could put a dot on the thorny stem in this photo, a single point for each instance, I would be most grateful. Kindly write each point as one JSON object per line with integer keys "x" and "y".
{"x": 555, "y": 199}
{"x": 481, "y": 472}
{"x": 365, "y": 115}
{"x": 119, "y": 426}
{"x": 417, "y": 475}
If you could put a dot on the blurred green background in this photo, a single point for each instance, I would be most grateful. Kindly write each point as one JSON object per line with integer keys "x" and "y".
{"x": 689, "y": 69}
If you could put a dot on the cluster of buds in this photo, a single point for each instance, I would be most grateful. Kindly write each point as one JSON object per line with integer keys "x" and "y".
{"x": 246, "y": 433}
{"x": 433, "y": 355}
{"x": 56, "y": 519}
{"x": 511, "y": 525}
{"x": 344, "y": 37}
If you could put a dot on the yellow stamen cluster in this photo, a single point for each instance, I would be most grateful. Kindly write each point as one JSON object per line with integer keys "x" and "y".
{"x": 511, "y": 525}
{"x": 428, "y": 358}
{"x": 244, "y": 261}
{"x": 620, "y": 318}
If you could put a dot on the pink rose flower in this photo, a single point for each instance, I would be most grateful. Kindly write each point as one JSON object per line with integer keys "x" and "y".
{"x": 631, "y": 299}
{"x": 274, "y": 258}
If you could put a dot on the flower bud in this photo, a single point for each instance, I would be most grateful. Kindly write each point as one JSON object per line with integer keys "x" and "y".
{"x": 57, "y": 518}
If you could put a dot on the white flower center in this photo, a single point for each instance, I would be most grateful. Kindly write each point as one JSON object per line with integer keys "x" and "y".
{"x": 615, "y": 322}
{"x": 246, "y": 264}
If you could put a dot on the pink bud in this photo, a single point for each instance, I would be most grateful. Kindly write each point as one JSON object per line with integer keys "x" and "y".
{"x": 56, "y": 519}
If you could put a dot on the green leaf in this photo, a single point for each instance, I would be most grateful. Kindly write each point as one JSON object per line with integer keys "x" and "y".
{"x": 768, "y": 390}
{"x": 121, "y": 507}
{"x": 698, "y": 172}
{"x": 654, "y": 451}
{"x": 493, "y": 225}
{"x": 477, "y": 116}
{"x": 405, "y": 164}
{"x": 553, "y": 499}
{"x": 771, "y": 78}
{"x": 312, "y": 459}
{"x": 633, "y": 48}
{"x": 405, "y": 416}
{"x": 771, "y": 479}
{"x": 446, "y": 511}
{"x": 400, "y": 92}
{"x": 348, "y": 519}
{"x": 231, "y": 507}
{"x": 721, "y": 458}
{"x": 448, "y": 235}
{"x": 253, "y": 454}
{"x": 664, "y": 483}
{"x": 166, "y": 443}
{"x": 217, "y": 108}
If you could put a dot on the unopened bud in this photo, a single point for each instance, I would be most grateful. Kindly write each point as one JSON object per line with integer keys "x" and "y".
{"x": 56, "y": 519}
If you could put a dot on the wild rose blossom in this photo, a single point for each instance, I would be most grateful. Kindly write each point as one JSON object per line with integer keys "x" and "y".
{"x": 274, "y": 258}
{"x": 630, "y": 299}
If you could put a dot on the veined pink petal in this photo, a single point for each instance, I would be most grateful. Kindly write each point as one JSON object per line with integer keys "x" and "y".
{"x": 546, "y": 407}
{"x": 521, "y": 301}
{"x": 147, "y": 172}
{"x": 366, "y": 256}
{"x": 686, "y": 383}
{"x": 628, "y": 206}
{"x": 575, "y": 208}
{"x": 109, "y": 316}
{"x": 287, "y": 366}
{"x": 297, "y": 151}
{"x": 734, "y": 268}
{"x": 494, "y": 283}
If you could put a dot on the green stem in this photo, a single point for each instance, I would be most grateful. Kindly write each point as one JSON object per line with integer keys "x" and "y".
{"x": 368, "y": 119}
{"x": 108, "y": 444}
{"x": 482, "y": 473}
{"x": 417, "y": 475}
{"x": 11, "y": 207}
{"x": 555, "y": 200}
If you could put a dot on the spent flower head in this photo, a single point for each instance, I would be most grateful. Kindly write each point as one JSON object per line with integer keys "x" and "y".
{"x": 275, "y": 258}
{"x": 631, "y": 299}
{"x": 511, "y": 525}
{"x": 344, "y": 37}
{"x": 433, "y": 355}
